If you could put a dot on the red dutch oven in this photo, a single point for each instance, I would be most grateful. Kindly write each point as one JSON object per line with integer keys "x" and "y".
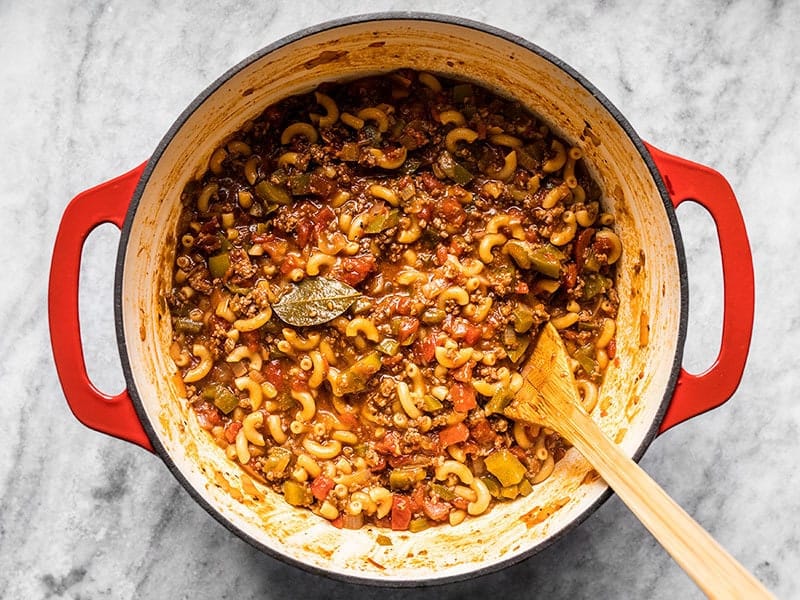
{"x": 645, "y": 392}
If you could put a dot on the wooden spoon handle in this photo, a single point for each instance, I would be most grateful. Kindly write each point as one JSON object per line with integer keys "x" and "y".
{"x": 715, "y": 571}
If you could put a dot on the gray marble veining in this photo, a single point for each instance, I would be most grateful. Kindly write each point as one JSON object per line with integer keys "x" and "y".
{"x": 87, "y": 89}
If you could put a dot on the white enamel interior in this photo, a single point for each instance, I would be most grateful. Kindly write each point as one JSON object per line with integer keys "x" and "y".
{"x": 648, "y": 282}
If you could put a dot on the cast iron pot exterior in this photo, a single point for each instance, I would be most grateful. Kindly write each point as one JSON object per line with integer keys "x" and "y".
{"x": 646, "y": 390}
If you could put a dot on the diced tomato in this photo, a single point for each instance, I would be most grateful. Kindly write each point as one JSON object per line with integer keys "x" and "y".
{"x": 459, "y": 502}
{"x": 400, "y": 305}
{"x": 464, "y": 372}
{"x": 408, "y": 327}
{"x": 232, "y": 430}
{"x": 352, "y": 270}
{"x": 417, "y": 498}
{"x": 425, "y": 212}
{"x": 321, "y": 486}
{"x": 461, "y": 329}
{"x": 431, "y": 184}
{"x": 454, "y": 326}
{"x": 299, "y": 382}
{"x": 303, "y": 232}
{"x": 323, "y": 218}
{"x": 320, "y": 186}
{"x": 462, "y": 396}
{"x": 216, "y": 297}
{"x": 436, "y": 511}
{"x": 581, "y": 245}
{"x": 611, "y": 349}
{"x": 338, "y": 522}
{"x": 397, "y": 462}
{"x": 451, "y": 209}
{"x": 454, "y": 434}
{"x": 348, "y": 419}
{"x": 289, "y": 263}
{"x": 522, "y": 288}
{"x": 208, "y": 415}
{"x": 570, "y": 276}
{"x": 441, "y": 254}
{"x": 390, "y": 361}
{"x": 471, "y": 448}
{"x": 519, "y": 453}
{"x": 425, "y": 349}
{"x": 401, "y": 512}
{"x": 208, "y": 242}
{"x": 376, "y": 463}
{"x": 251, "y": 339}
{"x": 456, "y": 248}
{"x": 602, "y": 245}
{"x": 275, "y": 247}
{"x": 390, "y": 444}
{"x": 482, "y": 432}
{"x": 472, "y": 334}
{"x": 274, "y": 372}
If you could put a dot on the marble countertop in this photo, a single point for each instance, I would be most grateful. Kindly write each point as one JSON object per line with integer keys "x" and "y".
{"x": 87, "y": 89}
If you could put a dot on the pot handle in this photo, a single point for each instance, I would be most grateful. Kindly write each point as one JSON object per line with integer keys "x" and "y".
{"x": 105, "y": 203}
{"x": 696, "y": 394}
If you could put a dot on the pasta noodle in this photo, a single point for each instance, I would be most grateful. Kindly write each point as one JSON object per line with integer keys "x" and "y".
{"x": 299, "y": 129}
{"x": 489, "y": 242}
{"x": 331, "y": 110}
{"x": 376, "y": 115}
{"x": 558, "y": 160}
{"x": 328, "y": 450}
{"x": 453, "y": 117}
{"x": 459, "y": 134}
{"x": 255, "y": 394}
{"x": 202, "y": 369}
{"x": 250, "y": 426}
{"x": 567, "y": 233}
{"x": 508, "y": 169}
{"x": 255, "y": 322}
{"x": 308, "y": 404}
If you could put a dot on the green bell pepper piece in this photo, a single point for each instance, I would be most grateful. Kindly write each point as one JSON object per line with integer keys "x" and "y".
{"x": 405, "y": 477}
{"x": 547, "y": 260}
{"x": 296, "y": 494}
{"x": 269, "y": 192}
{"x": 418, "y": 524}
{"x": 491, "y": 484}
{"x": 522, "y": 318}
{"x": 276, "y": 461}
{"x": 222, "y": 397}
{"x": 444, "y": 492}
{"x": 433, "y": 316}
{"x": 461, "y": 92}
{"x": 219, "y": 264}
{"x": 431, "y": 403}
{"x": 185, "y": 325}
{"x": 585, "y": 356}
{"x": 383, "y": 221}
{"x": 498, "y": 402}
{"x": 594, "y": 284}
{"x": 389, "y": 346}
{"x": 505, "y": 466}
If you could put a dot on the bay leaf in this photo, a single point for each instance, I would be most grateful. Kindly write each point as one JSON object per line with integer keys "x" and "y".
{"x": 314, "y": 300}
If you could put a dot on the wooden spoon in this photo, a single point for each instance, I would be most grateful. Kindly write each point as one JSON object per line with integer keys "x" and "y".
{"x": 549, "y": 397}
